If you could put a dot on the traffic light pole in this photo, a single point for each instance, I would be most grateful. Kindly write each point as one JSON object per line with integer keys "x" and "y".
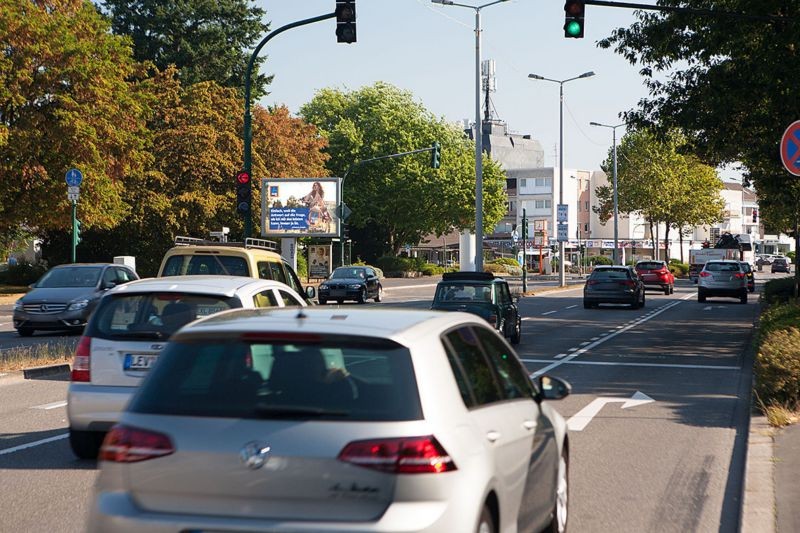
{"x": 524, "y": 251}
{"x": 74, "y": 226}
{"x": 248, "y": 121}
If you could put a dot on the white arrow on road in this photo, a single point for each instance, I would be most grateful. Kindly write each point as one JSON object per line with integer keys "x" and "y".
{"x": 582, "y": 418}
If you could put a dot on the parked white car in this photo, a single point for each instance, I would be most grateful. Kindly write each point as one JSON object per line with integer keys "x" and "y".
{"x": 335, "y": 420}
{"x": 130, "y": 328}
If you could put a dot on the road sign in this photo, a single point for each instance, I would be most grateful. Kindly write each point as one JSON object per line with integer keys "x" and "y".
{"x": 790, "y": 148}
{"x": 73, "y": 190}
{"x": 562, "y": 213}
{"x": 562, "y": 233}
{"x": 74, "y": 177}
{"x": 73, "y": 197}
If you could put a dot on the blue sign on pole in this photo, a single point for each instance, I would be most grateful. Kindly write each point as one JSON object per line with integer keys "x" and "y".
{"x": 74, "y": 177}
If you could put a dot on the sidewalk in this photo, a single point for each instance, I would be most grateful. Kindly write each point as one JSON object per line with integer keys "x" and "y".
{"x": 786, "y": 466}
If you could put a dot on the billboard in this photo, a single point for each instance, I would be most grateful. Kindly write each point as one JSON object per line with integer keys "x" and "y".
{"x": 300, "y": 207}
{"x": 319, "y": 260}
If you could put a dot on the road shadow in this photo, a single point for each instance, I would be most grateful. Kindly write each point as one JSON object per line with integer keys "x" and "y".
{"x": 53, "y": 455}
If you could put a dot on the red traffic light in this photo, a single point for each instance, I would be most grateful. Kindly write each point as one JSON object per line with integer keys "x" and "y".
{"x": 243, "y": 177}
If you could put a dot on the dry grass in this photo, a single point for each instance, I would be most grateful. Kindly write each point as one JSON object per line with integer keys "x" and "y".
{"x": 780, "y": 416}
{"x": 13, "y": 359}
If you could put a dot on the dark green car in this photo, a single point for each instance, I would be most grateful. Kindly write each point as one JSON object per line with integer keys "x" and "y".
{"x": 482, "y": 294}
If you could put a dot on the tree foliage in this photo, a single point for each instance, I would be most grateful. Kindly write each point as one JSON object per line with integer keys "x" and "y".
{"x": 207, "y": 40}
{"x": 68, "y": 98}
{"x": 661, "y": 184}
{"x": 400, "y": 200}
{"x": 728, "y": 83}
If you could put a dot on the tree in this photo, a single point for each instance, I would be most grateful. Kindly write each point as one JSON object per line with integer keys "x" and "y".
{"x": 728, "y": 83}
{"x": 661, "y": 184}
{"x": 206, "y": 40}
{"x": 68, "y": 98}
{"x": 399, "y": 201}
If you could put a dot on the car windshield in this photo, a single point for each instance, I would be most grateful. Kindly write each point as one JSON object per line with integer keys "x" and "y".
{"x": 610, "y": 274}
{"x": 350, "y": 273}
{"x": 153, "y": 315}
{"x": 336, "y": 377}
{"x": 650, "y": 265}
{"x": 722, "y": 267}
{"x": 461, "y": 292}
{"x": 76, "y": 276}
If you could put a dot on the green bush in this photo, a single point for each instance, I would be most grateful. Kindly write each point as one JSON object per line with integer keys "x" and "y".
{"x": 302, "y": 266}
{"x": 600, "y": 260}
{"x": 791, "y": 255}
{"x": 678, "y": 269}
{"x": 777, "y": 368}
{"x": 21, "y": 274}
{"x": 494, "y": 268}
{"x": 393, "y": 265}
{"x": 779, "y": 290}
{"x": 429, "y": 269}
{"x": 778, "y": 317}
{"x": 508, "y": 261}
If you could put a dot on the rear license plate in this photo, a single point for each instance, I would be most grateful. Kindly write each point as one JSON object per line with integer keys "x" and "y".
{"x": 138, "y": 361}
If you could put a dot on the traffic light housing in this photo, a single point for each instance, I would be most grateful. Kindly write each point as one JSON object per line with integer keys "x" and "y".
{"x": 574, "y": 11}
{"x": 345, "y": 21}
{"x": 755, "y": 215}
{"x": 76, "y": 232}
{"x": 436, "y": 155}
{"x": 345, "y": 231}
{"x": 244, "y": 192}
{"x": 524, "y": 229}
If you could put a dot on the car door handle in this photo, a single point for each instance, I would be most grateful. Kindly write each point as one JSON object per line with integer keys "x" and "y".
{"x": 529, "y": 424}
{"x": 492, "y": 436}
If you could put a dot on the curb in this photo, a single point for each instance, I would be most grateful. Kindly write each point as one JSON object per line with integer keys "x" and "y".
{"x": 42, "y": 371}
{"x": 758, "y": 513}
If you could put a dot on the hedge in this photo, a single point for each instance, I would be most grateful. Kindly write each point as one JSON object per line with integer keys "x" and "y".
{"x": 21, "y": 274}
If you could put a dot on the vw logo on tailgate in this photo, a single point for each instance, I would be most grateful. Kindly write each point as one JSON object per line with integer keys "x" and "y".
{"x": 254, "y": 455}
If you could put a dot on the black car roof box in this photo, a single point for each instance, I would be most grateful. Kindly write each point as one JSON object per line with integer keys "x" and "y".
{"x": 468, "y": 276}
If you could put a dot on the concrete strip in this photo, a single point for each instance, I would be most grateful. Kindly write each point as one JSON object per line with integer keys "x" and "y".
{"x": 758, "y": 513}
{"x": 42, "y": 371}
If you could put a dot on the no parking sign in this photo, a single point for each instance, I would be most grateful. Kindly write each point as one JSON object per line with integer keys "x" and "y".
{"x": 790, "y": 148}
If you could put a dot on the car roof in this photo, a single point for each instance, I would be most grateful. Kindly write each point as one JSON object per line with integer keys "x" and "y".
{"x": 401, "y": 325}
{"x": 82, "y": 265}
{"x": 223, "y": 285}
{"x": 611, "y": 267}
{"x": 221, "y": 249}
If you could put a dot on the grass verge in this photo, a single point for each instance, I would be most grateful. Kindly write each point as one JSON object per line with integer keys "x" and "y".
{"x": 780, "y": 416}
{"x": 14, "y": 359}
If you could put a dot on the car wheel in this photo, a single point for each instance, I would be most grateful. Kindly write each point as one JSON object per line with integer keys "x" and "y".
{"x": 666, "y": 289}
{"x": 25, "y": 332}
{"x": 85, "y": 444}
{"x": 642, "y": 302}
{"x": 516, "y": 337}
{"x": 362, "y": 296}
{"x": 743, "y": 297}
{"x": 587, "y": 305}
{"x": 323, "y": 301}
{"x": 672, "y": 289}
{"x": 701, "y": 296}
{"x": 379, "y": 296}
{"x": 560, "y": 514}
{"x": 485, "y": 522}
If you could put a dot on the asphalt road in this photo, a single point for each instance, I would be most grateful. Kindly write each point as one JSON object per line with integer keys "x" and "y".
{"x": 670, "y": 459}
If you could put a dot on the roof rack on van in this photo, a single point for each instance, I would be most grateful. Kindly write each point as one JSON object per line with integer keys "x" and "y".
{"x": 250, "y": 242}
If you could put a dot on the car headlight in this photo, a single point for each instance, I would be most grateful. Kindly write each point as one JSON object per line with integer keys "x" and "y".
{"x": 323, "y": 286}
{"x": 18, "y": 305}
{"x": 354, "y": 286}
{"x": 77, "y": 305}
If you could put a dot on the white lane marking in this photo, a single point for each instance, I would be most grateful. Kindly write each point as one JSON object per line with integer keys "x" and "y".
{"x": 33, "y": 444}
{"x": 649, "y": 365}
{"x": 594, "y": 338}
{"x": 581, "y": 419}
{"x": 549, "y": 313}
{"x": 49, "y": 406}
{"x": 585, "y": 343}
{"x": 559, "y": 356}
{"x": 401, "y": 287}
{"x": 613, "y": 334}
{"x": 571, "y": 307}
{"x": 527, "y": 318}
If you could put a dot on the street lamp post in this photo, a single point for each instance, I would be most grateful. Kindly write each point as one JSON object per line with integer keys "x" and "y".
{"x": 562, "y": 280}
{"x": 478, "y": 130}
{"x": 616, "y": 204}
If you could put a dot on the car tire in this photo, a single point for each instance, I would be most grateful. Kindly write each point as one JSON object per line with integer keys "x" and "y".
{"x": 379, "y": 297}
{"x": 560, "y": 519}
{"x": 516, "y": 336}
{"x": 641, "y": 305}
{"x": 25, "y": 332}
{"x": 672, "y": 289}
{"x": 701, "y": 296}
{"x": 743, "y": 297}
{"x": 587, "y": 305}
{"x": 323, "y": 301}
{"x": 85, "y": 444}
{"x": 485, "y": 522}
{"x": 362, "y": 296}
{"x": 666, "y": 290}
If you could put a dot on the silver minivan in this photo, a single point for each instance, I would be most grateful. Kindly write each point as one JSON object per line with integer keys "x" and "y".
{"x": 722, "y": 278}
{"x": 128, "y": 331}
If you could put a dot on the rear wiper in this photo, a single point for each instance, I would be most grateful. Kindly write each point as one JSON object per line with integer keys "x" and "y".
{"x": 147, "y": 334}
{"x": 289, "y": 411}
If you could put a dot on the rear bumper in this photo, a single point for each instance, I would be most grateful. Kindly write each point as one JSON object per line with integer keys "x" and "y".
{"x": 96, "y": 408}
{"x": 600, "y": 297}
{"x": 723, "y": 291}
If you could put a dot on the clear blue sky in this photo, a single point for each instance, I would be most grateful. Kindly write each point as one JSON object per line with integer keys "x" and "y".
{"x": 429, "y": 49}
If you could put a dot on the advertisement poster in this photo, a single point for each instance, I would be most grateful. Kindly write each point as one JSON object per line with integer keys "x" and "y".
{"x": 300, "y": 207}
{"x": 319, "y": 260}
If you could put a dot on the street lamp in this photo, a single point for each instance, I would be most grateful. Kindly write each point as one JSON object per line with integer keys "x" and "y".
{"x": 616, "y": 205}
{"x": 562, "y": 280}
{"x": 478, "y": 130}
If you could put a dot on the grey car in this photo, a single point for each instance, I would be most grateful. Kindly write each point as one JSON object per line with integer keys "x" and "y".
{"x": 66, "y": 295}
{"x": 613, "y": 285}
{"x": 337, "y": 419}
{"x": 722, "y": 278}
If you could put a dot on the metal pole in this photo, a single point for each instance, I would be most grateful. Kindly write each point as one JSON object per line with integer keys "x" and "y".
{"x": 74, "y": 239}
{"x": 616, "y": 205}
{"x": 478, "y": 149}
{"x": 562, "y": 280}
{"x": 248, "y": 121}
{"x": 524, "y": 251}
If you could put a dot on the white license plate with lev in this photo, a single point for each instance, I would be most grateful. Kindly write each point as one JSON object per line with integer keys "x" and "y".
{"x": 139, "y": 361}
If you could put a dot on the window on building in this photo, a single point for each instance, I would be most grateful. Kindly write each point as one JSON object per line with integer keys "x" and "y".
{"x": 523, "y": 183}
{"x": 586, "y": 205}
{"x": 542, "y": 182}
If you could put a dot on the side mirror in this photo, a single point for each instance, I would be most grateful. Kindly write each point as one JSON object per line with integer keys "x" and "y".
{"x": 109, "y": 285}
{"x": 552, "y": 388}
{"x": 311, "y": 292}
{"x": 32, "y": 286}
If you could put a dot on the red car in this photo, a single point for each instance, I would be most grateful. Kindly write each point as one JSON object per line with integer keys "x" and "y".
{"x": 656, "y": 274}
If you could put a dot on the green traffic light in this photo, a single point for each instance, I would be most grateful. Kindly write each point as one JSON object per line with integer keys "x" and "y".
{"x": 573, "y": 28}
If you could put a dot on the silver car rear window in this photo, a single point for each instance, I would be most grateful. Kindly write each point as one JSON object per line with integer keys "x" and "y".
{"x": 722, "y": 267}
{"x": 327, "y": 378}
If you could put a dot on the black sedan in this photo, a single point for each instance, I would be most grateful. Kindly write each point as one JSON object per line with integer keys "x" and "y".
{"x": 613, "y": 285}
{"x": 359, "y": 283}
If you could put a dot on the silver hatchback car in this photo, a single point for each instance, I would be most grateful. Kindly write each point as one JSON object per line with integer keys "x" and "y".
{"x": 128, "y": 331}
{"x": 322, "y": 420}
{"x": 722, "y": 278}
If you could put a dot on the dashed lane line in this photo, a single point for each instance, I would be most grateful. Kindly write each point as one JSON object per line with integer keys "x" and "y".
{"x": 33, "y": 444}
{"x": 651, "y": 365}
{"x": 48, "y": 406}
